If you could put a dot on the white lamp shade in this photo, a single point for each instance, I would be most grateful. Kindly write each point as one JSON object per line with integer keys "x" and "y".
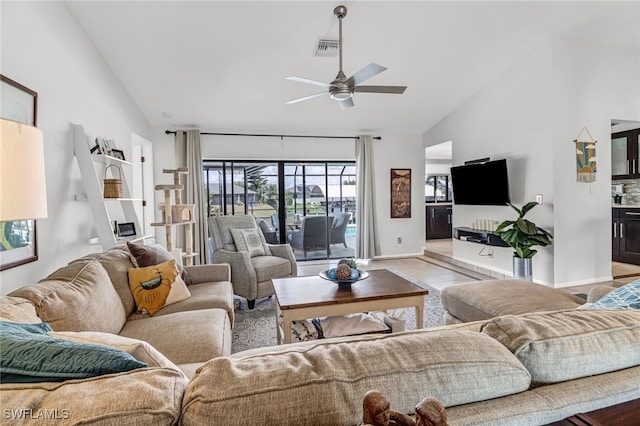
{"x": 23, "y": 193}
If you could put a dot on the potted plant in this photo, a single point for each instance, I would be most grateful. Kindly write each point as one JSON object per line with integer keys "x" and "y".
{"x": 522, "y": 234}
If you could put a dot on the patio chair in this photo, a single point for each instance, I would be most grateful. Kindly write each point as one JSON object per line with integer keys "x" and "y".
{"x": 270, "y": 234}
{"x": 251, "y": 271}
{"x": 339, "y": 228}
{"x": 312, "y": 235}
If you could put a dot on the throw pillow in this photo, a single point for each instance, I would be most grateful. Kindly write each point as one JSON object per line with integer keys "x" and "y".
{"x": 153, "y": 255}
{"x": 346, "y": 325}
{"x": 139, "y": 349}
{"x": 151, "y": 286}
{"x": 250, "y": 240}
{"x": 29, "y": 355}
{"x": 625, "y": 297}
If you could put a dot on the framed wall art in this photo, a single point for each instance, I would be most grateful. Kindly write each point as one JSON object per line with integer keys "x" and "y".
{"x": 117, "y": 153}
{"x": 127, "y": 229}
{"x": 400, "y": 193}
{"x": 18, "y": 238}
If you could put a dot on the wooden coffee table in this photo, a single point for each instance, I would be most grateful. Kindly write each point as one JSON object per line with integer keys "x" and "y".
{"x": 299, "y": 298}
{"x": 625, "y": 414}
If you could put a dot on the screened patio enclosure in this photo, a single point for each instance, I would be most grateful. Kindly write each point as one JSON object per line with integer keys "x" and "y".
{"x": 308, "y": 204}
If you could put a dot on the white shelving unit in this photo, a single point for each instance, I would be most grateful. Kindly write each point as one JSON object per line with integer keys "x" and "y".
{"x": 169, "y": 222}
{"x": 93, "y": 184}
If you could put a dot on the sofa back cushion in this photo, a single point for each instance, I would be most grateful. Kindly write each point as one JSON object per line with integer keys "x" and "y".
{"x": 323, "y": 383}
{"x": 566, "y": 345}
{"x": 17, "y": 309}
{"x": 147, "y": 396}
{"x": 77, "y": 297}
{"x": 116, "y": 262}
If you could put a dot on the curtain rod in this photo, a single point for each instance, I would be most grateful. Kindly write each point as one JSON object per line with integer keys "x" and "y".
{"x": 172, "y": 132}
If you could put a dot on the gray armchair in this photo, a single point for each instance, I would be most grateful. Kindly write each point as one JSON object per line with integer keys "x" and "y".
{"x": 312, "y": 235}
{"x": 250, "y": 276}
{"x": 339, "y": 228}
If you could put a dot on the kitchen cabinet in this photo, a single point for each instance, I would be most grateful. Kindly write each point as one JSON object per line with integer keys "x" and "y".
{"x": 625, "y": 153}
{"x": 626, "y": 235}
{"x": 438, "y": 221}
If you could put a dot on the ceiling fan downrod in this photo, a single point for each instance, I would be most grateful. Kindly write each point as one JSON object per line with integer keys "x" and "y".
{"x": 339, "y": 89}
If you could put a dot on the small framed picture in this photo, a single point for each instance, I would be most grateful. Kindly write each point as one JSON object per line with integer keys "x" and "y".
{"x": 126, "y": 229}
{"x": 116, "y": 153}
{"x": 107, "y": 145}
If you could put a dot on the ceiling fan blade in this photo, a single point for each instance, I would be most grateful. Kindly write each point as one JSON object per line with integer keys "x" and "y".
{"x": 365, "y": 73}
{"x": 307, "y": 81}
{"x": 346, "y": 103}
{"x": 307, "y": 97}
{"x": 381, "y": 89}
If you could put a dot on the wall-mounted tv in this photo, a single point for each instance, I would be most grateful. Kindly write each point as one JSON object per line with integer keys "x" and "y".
{"x": 485, "y": 183}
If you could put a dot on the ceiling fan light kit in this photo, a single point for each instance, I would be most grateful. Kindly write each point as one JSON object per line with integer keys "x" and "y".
{"x": 342, "y": 88}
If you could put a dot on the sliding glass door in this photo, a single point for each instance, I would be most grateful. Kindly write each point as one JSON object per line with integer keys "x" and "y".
{"x": 310, "y": 205}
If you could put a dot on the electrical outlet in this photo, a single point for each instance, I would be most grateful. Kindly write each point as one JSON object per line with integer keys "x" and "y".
{"x": 399, "y": 240}
{"x": 539, "y": 198}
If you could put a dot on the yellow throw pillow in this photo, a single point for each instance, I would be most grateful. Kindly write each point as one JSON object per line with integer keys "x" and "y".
{"x": 151, "y": 285}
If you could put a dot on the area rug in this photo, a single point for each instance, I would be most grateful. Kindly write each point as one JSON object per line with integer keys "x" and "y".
{"x": 257, "y": 327}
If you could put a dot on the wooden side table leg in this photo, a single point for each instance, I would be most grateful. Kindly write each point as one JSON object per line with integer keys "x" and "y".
{"x": 420, "y": 313}
{"x": 286, "y": 328}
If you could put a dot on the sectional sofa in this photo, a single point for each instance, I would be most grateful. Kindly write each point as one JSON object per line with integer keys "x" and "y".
{"x": 528, "y": 369}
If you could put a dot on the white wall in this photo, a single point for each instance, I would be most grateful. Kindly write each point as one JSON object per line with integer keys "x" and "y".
{"x": 530, "y": 116}
{"x": 593, "y": 83}
{"x": 44, "y": 49}
{"x": 393, "y": 151}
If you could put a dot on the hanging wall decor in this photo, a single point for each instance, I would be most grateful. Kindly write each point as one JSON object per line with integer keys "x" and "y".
{"x": 585, "y": 156}
{"x": 400, "y": 193}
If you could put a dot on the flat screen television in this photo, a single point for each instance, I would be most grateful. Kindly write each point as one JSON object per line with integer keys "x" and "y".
{"x": 484, "y": 184}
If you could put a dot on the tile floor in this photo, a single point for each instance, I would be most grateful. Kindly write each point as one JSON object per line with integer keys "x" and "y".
{"x": 436, "y": 270}
{"x": 436, "y": 273}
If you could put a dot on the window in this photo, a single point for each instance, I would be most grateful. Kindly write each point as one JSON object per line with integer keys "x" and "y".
{"x": 438, "y": 189}
{"x": 290, "y": 190}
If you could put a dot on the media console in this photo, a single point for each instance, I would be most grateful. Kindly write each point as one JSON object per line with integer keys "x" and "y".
{"x": 478, "y": 236}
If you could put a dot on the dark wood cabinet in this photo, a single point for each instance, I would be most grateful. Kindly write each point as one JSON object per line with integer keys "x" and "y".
{"x": 438, "y": 221}
{"x": 625, "y": 154}
{"x": 626, "y": 235}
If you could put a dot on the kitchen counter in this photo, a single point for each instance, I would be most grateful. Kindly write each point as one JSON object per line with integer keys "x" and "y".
{"x": 626, "y": 206}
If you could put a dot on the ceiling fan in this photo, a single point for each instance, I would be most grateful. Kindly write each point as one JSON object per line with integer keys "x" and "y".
{"x": 342, "y": 88}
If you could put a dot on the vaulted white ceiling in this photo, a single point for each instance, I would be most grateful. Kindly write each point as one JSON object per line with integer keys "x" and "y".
{"x": 222, "y": 64}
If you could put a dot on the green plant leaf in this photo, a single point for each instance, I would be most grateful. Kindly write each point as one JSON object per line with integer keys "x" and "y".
{"x": 504, "y": 225}
{"x": 527, "y": 227}
{"x": 516, "y": 209}
{"x": 528, "y": 207}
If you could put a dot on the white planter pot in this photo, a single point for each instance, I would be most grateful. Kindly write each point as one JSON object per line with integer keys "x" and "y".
{"x": 522, "y": 268}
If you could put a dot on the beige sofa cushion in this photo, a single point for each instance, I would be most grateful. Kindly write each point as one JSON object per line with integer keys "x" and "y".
{"x": 17, "y": 309}
{"x": 203, "y": 296}
{"x": 185, "y": 337}
{"x": 324, "y": 383}
{"x": 77, "y": 297}
{"x": 564, "y": 345}
{"x": 116, "y": 262}
{"x": 148, "y": 396}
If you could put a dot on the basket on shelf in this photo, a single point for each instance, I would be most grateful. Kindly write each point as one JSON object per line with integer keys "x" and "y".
{"x": 112, "y": 187}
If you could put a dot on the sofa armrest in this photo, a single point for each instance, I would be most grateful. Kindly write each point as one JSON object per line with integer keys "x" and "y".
{"x": 597, "y": 292}
{"x": 209, "y": 273}
{"x": 284, "y": 251}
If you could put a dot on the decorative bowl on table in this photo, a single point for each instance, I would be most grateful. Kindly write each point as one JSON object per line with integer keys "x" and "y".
{"x": 356, "y": 275}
